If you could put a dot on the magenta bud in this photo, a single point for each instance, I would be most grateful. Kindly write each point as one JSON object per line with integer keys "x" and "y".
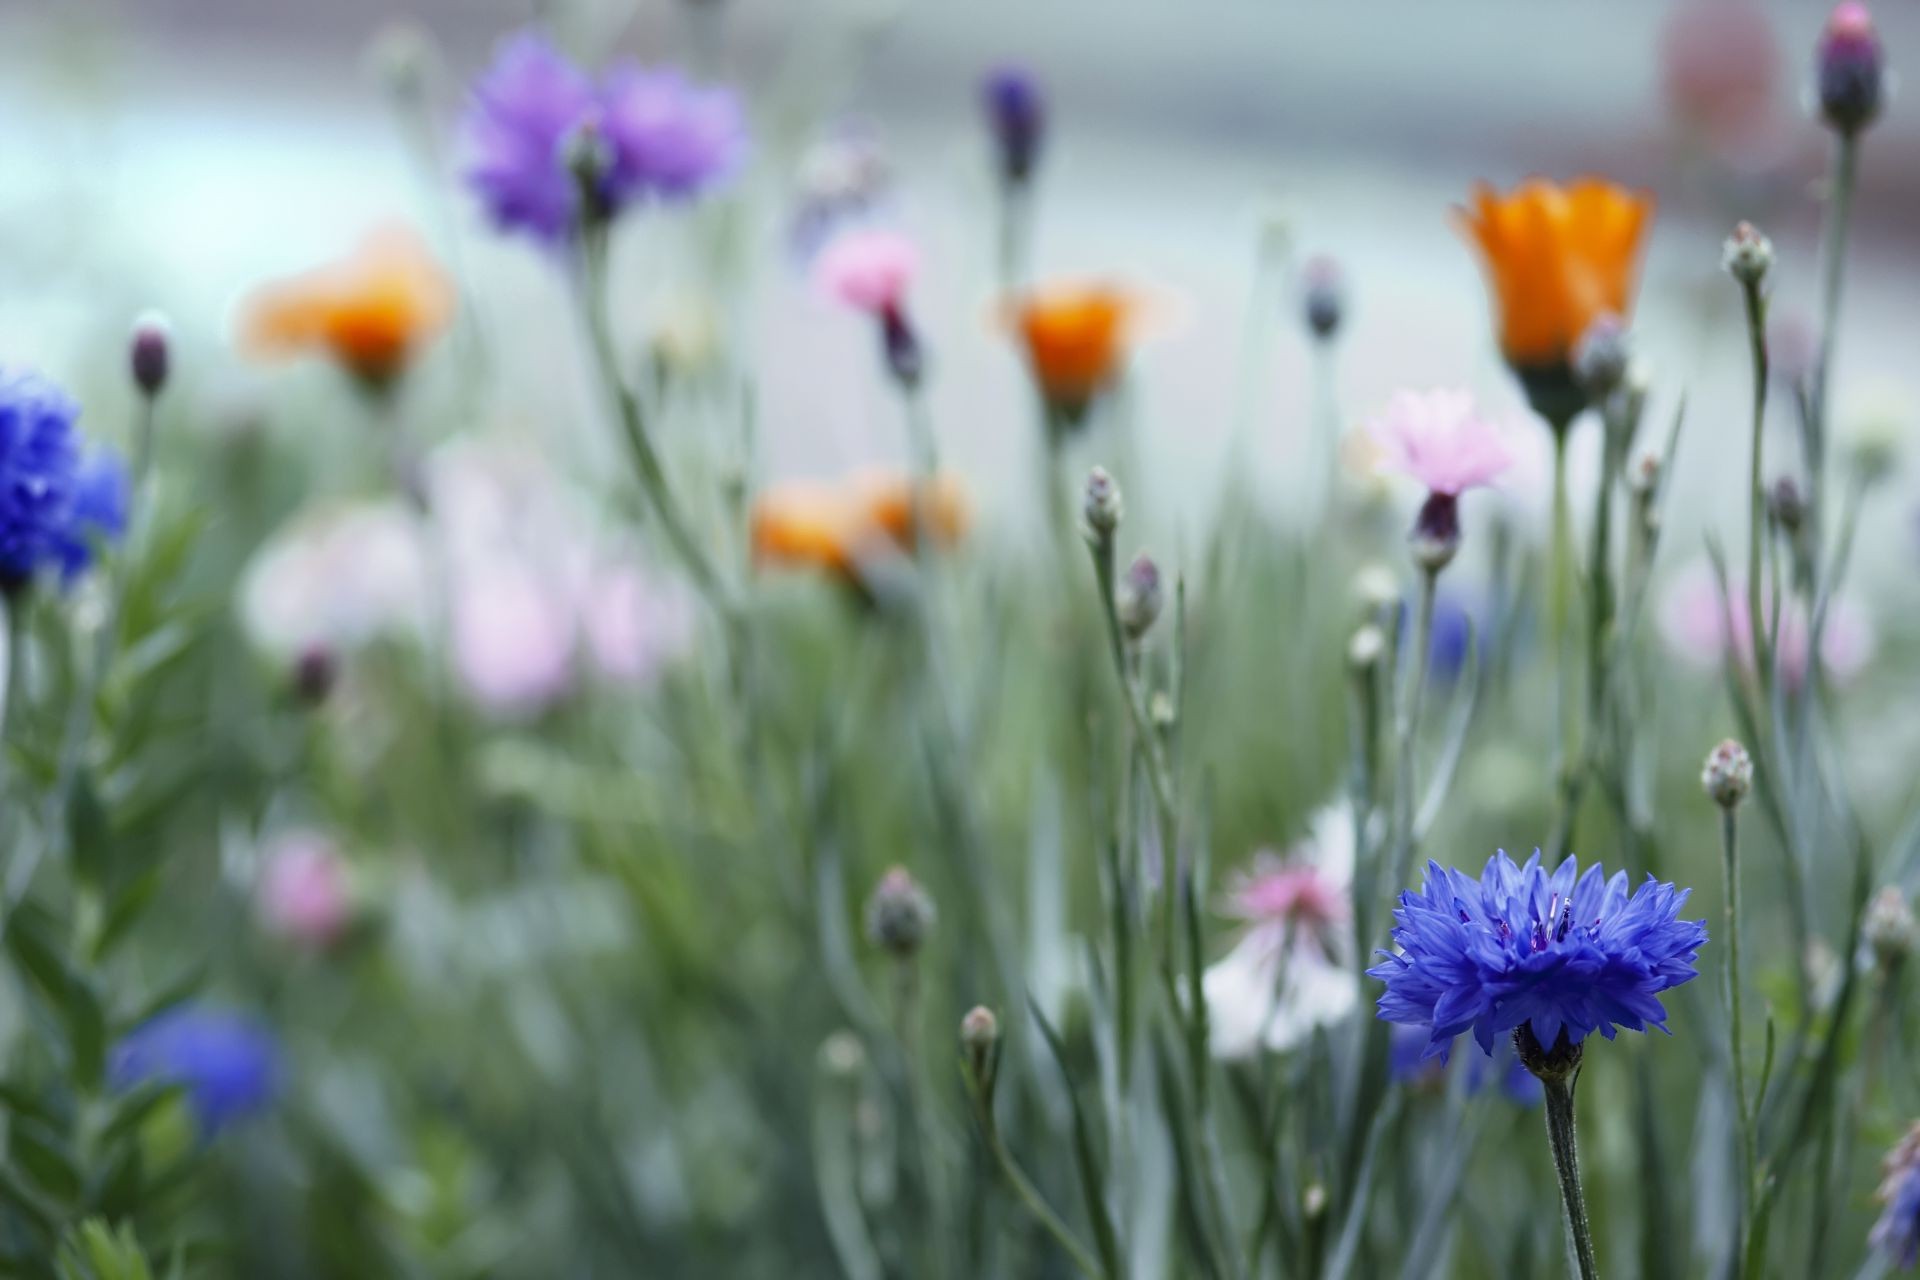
{"x": 1850, "y": 69}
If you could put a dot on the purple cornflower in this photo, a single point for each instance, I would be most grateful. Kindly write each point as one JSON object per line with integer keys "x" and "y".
{"x": 1565, "y": 954}
{"x": 1017, "y": 114}
{"x": 666, "y": 137}
{"x": 228, "y": 1063}
{"x": 1897, "y": 1232}
{"x": 39, "y": 467}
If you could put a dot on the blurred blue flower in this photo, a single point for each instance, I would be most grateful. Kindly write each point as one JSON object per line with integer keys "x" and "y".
{"x": 1562, "y": 952}
{"x": 99, "y": 510}
{"x": 1897, "y": 1232}
{"x": 39, "y": 461}
{"x": 667, "y": 137}
{"x": 1458, "y": 616}
{"x": 1017, "y": 115}
{"x": 228, "y": 1063}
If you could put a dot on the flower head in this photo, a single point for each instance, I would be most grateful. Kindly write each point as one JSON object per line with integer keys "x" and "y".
{"x": 1076, "y": 338}
{"x": 304, "y": 893}
{"x": 228, "y": 1063}
{"x": 1850, "y": 68}
{"x": 1556, "y": 259}
{"x": 1017, "y": 115}
{"x": 1292, "y": 969}
{"x": 39, "y": 476}
{"x": 665, "y": 137}
{"x": 1897, "y": 1233}
{"x": 839, "y": 527}
{"x": 868, "y": 269}
{"x": 1439, "y": 438}
{"x": 371, "y": 312}
{"x": 1563, "y": 954}
{"x": 899, "y": 913}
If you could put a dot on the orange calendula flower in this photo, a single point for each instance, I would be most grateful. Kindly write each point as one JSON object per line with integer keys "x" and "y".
{"x": 371, "y": 312}
{"x": 1557, "y": 259}
{"x": 1077, "y": 337}
{"x": 837, "y": 527}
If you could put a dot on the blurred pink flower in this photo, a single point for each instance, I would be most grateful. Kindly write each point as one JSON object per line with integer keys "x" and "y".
{"x": 303, "y": 892}
{"x": 634, "y": 623}
{"x": 1695, "y": 621}
{"x": 1292, "y": 969}
{"x": 1440, "y": 439}
{"x": 336, "y": 579}
{"x": 513, "y": 639}
{"x": 867, "y": 268}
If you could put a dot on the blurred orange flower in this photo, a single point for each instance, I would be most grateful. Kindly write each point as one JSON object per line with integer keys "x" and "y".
{"x": 371, "y": 312}
{"x": 836, "y": 527}
{"x": 1557, "y": 259}
{"x": 1076, "y": 336}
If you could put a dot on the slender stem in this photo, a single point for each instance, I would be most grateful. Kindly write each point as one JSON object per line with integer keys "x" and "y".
{"x": 1730, "y": 865}
{"x": 1833, "y": 256}
{"x": 1560, "y": 600}
{"x": 1407, "y": 732}
{"x": 1756, "y": 313}
{"x": 1036, "y": 1203}
{"x": 12, "y": 663}
{"x": 1566, "y": 1164}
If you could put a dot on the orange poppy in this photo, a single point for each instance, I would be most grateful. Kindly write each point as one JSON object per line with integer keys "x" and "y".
{"x": 834, "y": 527}
{"x": 1076, "y": 337}
{"x": 1557, "y": 259}
{"x": 371, "y": 312}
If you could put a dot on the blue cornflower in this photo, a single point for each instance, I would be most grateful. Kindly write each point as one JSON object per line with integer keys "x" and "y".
{"x": 1566, "y": 953}
{"x": 665, "y": 136}
{"x": 98, "y": 511}
{"x": 228, "y": 1063}
{"x": 39, "y": 465}
{"x": 1897, "y": 1233}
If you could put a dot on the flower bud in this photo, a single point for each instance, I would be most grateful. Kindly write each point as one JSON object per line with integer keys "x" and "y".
{"x": 315, "y": 672}
{"x": 1643, "y": 475}
{"x": 1786, "y": 505}
{"x": 1017, "y": 117}
{"x": 1160, "y": 710}
{"x": 1102, "y": 507}
{"x": 1727, "y": 774}
{"x": 1325, "y": 296}
{"x": 150, "y": 352}
{"x": 1365, "y": 649}
{"x": 1313, "y": 1201}
{"x": 842, "y": 1055}
{"x": 1138, "y": 596}
{"x": 899, "y": 914}
{"x": 1436, "y": 532}
{"x": 1602, "y": 356}
{"x": 1850, "y": 69}
{"x": 1888, "y": 928}
{"x": 980, "y": 1043}
{"x": 1747, "y": 255}
{"x": 1378, "y": 589}
{"x": 900, "y": 347}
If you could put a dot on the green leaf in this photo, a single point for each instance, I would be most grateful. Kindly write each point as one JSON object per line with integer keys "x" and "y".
{"x": 1092, "y": 1180}
{"x": 44, "y": 1156}
{"x": 125, "y": 910}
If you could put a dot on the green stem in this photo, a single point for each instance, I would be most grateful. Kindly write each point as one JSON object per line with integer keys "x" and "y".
{"x": 1566, "y": 1165}
{"x": 1833, "y": 256}
{"x": 1730, "y": 865}
{"x": 1035, "y": 1202}
{"x": 1560, "y": 600}
{"x": 1756, "y": 313}
{"x": 1407, "y": 732}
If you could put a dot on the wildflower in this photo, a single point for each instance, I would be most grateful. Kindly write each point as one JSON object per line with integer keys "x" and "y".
{"x": 228, "y": 1063}
{"x": 336, "y": 578}
{"x": 664, "y": 138}
{"x": 1747, "y": 255}
{"x": 869, "y": 270}
{"x": 371, "y": 313}
{"x": 1439, "y": 439}
{"x": 633, "y": 622}
{"x": 149, "y": 353}
{"x": 899, "y": 914}
{"x": 1291, "y": 971}
{"x": 1138, "y": 596}
{"x": 303, "y": 893}
{"x": 980, "y": 1044}
{"x": 1325, "y": 296}
{"x": 1562, "y": 955}
{"x": 837, "y": 527}
{"x": 40, "y": 473}
{"x": 1888, "y": 928}
{"x": 1556, "y": 258}
{"x": 1704, "y": 627}
{"x": 513, "y": 637}
{"x": 1076, "y": 338}
{"x": 1850, "y": 69}
{"x": 1727, "y": 776}
{"x": 1897, "y": 1232}
{"x": 1017, "y": 116}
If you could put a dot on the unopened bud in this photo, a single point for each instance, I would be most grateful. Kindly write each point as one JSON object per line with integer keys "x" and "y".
{"x": 899, "y": 914}
{"x": 1602, "y": 356}
{"x": 1643, "y": 474}
{"x": 1786, "y": 505}
{"x": 1888, "y": 927}
{"x": 150, "y": 352}
{"x": 1747, "y": 255}
{"x": 1366, "y": 647}
{"x": 1138, "y": 596}
{"x": 1850, "y": 69}
{"x": 1017, "y": 118}
{"x": 1313, "y": 1201}
{"x": 1377, "y": 588}
{"x": 1727, "y": 775}
{"x": 1325, "y": 296}
{"x": 980, "y": 1044}
{"x": 842, "y": 1055}
{"x": 1160, "y": 710}
{"x": 1102, "y": 507}
{"x": 1436, "y": 532}
{"x": 315, "y": 672}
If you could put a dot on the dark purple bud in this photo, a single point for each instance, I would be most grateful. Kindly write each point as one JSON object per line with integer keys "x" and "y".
{"x": 1017, "y": 114}
{"x": 900, "y": 345}
{"x": 315, "y": 672}
{"x": 149, "y": 354}
{"x": 1436, "y": 531}
{"x": 1850, "y": 68}
{"x": 1326, "y": 296}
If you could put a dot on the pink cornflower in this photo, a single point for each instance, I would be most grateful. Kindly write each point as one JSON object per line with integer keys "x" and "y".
{"x": 303, "y": 893}
{"x": 1701, "y": 626}
{"x": 1292, "y": 969}
{"x": 868, "y": 269}
{"x": 1440, "y": 439}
